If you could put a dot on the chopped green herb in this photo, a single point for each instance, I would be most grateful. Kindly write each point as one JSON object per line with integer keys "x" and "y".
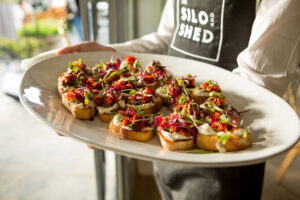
{"x": 227, "y": 120}
{"x": 199, "y": 121}
{"x": 181, "y": 83}
{"x": 224, "y": 138}
{"x": 182, "y": 99}
{"x": 86, "y": 99}
{"x": 133, "y": 91}
{"x": 115, "y": 74}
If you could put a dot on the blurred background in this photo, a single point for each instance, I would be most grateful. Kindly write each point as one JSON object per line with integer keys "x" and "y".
{"x": 35, "y": 163}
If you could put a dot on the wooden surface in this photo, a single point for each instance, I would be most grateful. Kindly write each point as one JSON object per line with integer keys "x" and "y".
{"x": 292, "y": 96}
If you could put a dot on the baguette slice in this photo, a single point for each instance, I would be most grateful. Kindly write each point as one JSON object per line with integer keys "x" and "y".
{"x": 234, "y": 143}
{"x": 175, "y": 145}
{"x": 77, "y": 112}
{"x": 105, "y": 117}
{"x": 161, "y": 93}
{"x": 199, "y": 97}
{"x": 141, "y": 136}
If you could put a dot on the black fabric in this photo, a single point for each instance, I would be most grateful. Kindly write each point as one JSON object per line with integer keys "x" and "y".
{"x": 192, "y": 36}
{"x": 181, "y": 182}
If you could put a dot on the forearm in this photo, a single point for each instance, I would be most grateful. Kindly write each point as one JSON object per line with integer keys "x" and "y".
{"x": 273, "y": 53}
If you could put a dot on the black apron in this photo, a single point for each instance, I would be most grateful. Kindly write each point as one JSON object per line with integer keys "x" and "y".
{"x": 211, "y": 31}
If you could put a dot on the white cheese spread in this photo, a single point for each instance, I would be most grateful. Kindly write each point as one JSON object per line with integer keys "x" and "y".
{"x": 205, "y": 129}
{"x": 201, "y": 93}
{"x": 103, "y": 110}
{"x": 174, "y": 136}
{"x": 142, "y": 107}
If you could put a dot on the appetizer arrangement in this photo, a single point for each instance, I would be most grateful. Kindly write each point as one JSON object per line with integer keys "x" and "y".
{"x": 129, "y": 98}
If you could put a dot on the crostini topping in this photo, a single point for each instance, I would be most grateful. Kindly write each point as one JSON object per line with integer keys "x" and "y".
{"x": 154, "y": 72}
{"x": 109, "y": 72}
{"x": 188, "y": 81}
{"x": 106, "y": 99}
{"x": 228, "y": 124}
{"x": 210, "y": 86}
{"x": 175, "y": 124}
{"x": 190, "y": 110}
{"x": 125, "y": 84}
{"x": 95, "y": 83}
{"x": 174, "y": 90}
{"x": 135, "y": 120}
{"x": 68, "y": 79}
{"x": 131, "y": 65}
{"x": 142, "y": 97}
{"x": 216, "y": 102}
{"x": 77, "y": 66}
{"x": 80, "y": 95}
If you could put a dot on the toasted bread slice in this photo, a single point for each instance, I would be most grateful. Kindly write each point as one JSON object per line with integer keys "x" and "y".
{"x": 161, "y": 93}
{"x": 106, "y": 117}
{"x": 234, "y": 143}
{"x": 77, "y": 111}
{"x": 199, "y": 97}
{"x": 141, "y": 136}
{"x": 175, "y": 145}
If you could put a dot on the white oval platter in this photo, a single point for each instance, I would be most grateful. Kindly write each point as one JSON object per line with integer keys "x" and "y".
{"x": 275, "y": 126}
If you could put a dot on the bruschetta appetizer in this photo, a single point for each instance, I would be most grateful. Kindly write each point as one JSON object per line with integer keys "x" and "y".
{"x": 190, "y": 110}
{"x": 133, "y": 125}
{"x": 216, "y": 102}
{"x": 154, "y": 76}
{"x": 145, "y": 100}
{"x": 130, "y": 66}
{"x": 126, "y": 85}
{"x": 76, "y": 76}
{"x": 101, "y": 69}
{"x": 80, "y": 103}
{"x": 202, "y": 92}
{"x": 108, "y": 104}
{"x": 106, "y": 73}
{"x": 175, "y": 132}
{"x": 221, "y": 132}
{"x": 188, "y": 82}
{"x": 170, "y": 93}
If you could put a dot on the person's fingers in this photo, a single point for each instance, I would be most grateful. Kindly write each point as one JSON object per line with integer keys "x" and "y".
{"x": 91, "y": 147}
{"x": 59, "y": 134}
{"x": 84, "y": 47}
{"x": 69, "y": 49}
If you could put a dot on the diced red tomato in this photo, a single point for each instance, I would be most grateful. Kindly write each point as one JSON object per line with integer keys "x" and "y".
{"x": 130, "y": 60}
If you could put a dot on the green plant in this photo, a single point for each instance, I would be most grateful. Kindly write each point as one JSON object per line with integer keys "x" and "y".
{"x": 42, "y": 28}
{"x": 23, "y": 47}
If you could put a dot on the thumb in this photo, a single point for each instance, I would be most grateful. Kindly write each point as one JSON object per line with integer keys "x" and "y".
{"x": 69, "y": 49}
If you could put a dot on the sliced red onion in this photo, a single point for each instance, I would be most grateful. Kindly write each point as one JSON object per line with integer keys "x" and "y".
{"x": 157, "y": 121}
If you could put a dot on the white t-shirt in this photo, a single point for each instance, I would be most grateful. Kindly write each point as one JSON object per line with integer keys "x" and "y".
{"x": 272, "y": 55}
